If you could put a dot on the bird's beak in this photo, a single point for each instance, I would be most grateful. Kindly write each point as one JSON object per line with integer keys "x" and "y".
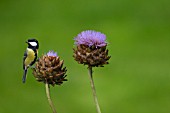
{"x": 26, "y": 42}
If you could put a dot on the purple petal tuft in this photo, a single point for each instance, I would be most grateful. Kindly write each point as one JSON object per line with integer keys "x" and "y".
{"x": 52, "y": 54}
{"x": 90, "y": 38}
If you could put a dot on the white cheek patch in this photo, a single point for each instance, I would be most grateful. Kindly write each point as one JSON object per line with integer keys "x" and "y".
{"x": 33, "y": 43}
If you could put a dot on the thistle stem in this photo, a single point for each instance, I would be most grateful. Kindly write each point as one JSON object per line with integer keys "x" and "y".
{"x": 94, "y": 90}
{"x": 47, "y": 87}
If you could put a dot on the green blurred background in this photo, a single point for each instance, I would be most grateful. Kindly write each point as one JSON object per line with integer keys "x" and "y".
{"x": 137, "y": 80}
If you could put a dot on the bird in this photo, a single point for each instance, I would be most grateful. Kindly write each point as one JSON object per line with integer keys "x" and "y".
{"x": 30, "y": 56}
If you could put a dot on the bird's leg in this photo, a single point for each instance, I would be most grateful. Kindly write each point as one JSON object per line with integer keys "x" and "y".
{"x": 37, "y": 59}
{"x": 32, "y": 67}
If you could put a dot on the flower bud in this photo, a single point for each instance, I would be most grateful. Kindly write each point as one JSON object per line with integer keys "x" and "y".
{"x": 49, "y": 68}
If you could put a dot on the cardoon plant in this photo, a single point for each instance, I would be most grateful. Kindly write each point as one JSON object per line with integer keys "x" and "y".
{"x": 91, "y": 51}
{"x": 49, "y": 70}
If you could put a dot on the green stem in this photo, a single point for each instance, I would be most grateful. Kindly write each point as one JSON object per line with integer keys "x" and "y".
{"x": 94, "y": 90}
{"x": 47, "y": 87}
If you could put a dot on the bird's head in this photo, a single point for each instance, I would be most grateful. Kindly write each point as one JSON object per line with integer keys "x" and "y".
{"x": 32, "y": 43}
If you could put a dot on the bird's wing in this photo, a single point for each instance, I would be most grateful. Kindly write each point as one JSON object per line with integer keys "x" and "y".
{"x": 25, "y": 56}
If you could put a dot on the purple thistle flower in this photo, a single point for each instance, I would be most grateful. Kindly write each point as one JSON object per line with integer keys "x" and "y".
{"x": 52, "y": 53}
{"x": 90, "y": 38}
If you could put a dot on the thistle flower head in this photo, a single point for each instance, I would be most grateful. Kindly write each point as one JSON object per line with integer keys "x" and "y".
{"x": 91, "y": 49}
{"x": 91, "y": 38}
{"x": 49, "y": 69}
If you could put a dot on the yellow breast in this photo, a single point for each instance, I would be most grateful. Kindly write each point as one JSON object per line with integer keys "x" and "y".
{"x": 30, "y": 57}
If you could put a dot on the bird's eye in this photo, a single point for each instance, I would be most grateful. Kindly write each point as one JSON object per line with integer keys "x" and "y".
{"x": 33, "y": 43}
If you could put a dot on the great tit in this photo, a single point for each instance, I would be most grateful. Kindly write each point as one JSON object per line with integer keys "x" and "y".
{"x": 30, "y": 56}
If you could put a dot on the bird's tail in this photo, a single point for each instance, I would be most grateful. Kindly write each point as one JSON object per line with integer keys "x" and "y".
{"x": 24, "y": 75}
